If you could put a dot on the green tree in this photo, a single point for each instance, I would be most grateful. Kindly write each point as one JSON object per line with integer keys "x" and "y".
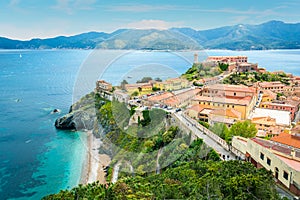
{"x": 220, "y": 129}
{"x": 158, "y": 79}
{"x": 144, "y": 80}
{"x": 135, "y": 93}
{"x": 223, "y": 66}
{"x": 245, "y": 129}
{"x": 154, "y": 89}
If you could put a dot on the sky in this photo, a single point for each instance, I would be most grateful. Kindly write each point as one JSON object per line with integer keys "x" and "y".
{"x": 27, "y": 19}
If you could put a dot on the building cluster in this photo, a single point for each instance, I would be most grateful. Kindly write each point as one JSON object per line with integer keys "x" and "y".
{"x": 272, "y": 106}
{"x": 221, "y": 103}
{"x": 167, "y": 85}
{"x": 235, "y": 63}
{"x": 280, "y": 155}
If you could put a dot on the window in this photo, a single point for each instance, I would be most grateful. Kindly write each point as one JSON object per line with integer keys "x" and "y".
{"x": 285, "y": 175}
{"x": 269, "y": 161}
{"x": 262, "y": 156}
{"x": 233, "y": 106}
{"x": 234, "y": 94}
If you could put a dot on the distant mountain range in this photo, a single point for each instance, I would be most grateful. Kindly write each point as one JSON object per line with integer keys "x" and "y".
{"x": 269, "y": 35}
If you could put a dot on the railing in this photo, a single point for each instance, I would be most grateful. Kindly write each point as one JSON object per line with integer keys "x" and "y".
{"x": 215, "y": 137}
{"x": 208, "y": 132}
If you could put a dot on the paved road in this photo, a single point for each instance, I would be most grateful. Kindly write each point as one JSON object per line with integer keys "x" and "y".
{"x": 210, "y": 142}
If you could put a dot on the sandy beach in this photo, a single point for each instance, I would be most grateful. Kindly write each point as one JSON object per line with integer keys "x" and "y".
{"x": 93, "y": 168}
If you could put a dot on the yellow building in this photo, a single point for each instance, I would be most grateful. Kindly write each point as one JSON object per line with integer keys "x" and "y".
{"x": 172, "y": 84}
{"x": 266, "y": 126}
{"x": 141, "y": 88}
{"x": 243, "y": 105}
{"x": 221, "y": 96}
{"x": 268, "y": 96}
{"x": 281, "y": 156}
{"x": 225, "y": 116}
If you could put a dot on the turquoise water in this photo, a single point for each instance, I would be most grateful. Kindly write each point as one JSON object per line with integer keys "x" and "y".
{"x": 35, "y": 158}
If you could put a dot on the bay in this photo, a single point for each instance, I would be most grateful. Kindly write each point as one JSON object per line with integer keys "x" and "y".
{"x": 35, "y": 158}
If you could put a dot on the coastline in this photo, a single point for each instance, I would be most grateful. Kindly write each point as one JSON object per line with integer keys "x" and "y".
{"x": 94, "y": 163}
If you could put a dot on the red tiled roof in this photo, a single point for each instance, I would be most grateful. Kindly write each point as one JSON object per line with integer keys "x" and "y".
{"x": 227, "y": 100}
{"x": 271, "y": 84}
{"x": 161, "y": 97}
{"x": 197, "y": 108}
{"x": 234, "y": 88}
{"x": 287, "y": 139}
{"x": 227, "y": 112}
{"x": 273, "y": 146}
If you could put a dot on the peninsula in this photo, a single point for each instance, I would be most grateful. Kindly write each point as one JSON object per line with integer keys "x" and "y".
{"x": 224, "y": 128}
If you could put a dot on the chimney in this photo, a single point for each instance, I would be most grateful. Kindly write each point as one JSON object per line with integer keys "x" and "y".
{"x": 293, "y": 153}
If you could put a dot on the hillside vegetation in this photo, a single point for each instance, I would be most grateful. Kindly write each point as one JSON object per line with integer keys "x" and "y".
{"x": 189, "y": 169}
{"x": 269, "y": 35}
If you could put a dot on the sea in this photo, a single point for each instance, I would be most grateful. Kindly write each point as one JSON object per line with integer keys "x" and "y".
{"x": 35, "y": 158}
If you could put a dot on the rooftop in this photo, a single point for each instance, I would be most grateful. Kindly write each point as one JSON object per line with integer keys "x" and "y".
{"x": 283, "y": 152}
{"x": 206, "y": 111}
{"x": 269, "y": 93}
{"x": 221, "y": 119}
{"x": 234, "y": 88}
{"x": 271, "y": 84}
{"x": 281, "y": 117}
{"x": 264, "y": 120}
{"x": 197, "y": 108}
{"x": 277, "y": 104}
{"x": 227, "y": 112}
{"x": 288, "y": 139}
{"x": 225, "y": 100}
{"x": 161, "y": 96}
{"x": 292, "y": 163}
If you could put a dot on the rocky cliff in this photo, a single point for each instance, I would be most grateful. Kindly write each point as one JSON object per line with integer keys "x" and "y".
{"x": 82, "y": 115}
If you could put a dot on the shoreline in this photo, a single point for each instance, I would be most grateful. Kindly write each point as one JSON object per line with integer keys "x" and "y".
{"x": 92, "y": 168}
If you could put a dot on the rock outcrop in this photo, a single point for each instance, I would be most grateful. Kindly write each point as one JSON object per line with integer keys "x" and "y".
{"x": 82, "y": 115}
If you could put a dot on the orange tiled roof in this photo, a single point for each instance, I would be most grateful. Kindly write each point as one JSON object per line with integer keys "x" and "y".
{"x": 271, "y": 84}
{"x": 171, "y": 101}
{"x": 234, "y": 88}
{"x": 287, "y": 139}
{"x": 277, "y": 104}
{"x": 269, "y": 93}
{"x": 161, "y": 97}
{"x": 264, "y": 120}
{"x": 227, "y": 112}
{"x": 227, "y": 100}
{"x": 197, "y": 108}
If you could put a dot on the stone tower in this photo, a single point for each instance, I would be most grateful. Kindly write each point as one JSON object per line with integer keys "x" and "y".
{"x": 196, "y": 58}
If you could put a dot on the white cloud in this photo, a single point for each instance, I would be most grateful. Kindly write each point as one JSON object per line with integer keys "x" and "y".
{"x": 70, "y": 6}
{"x": 142, "y": 8}
{"x": 51, "y": 28}
{"x": 152, "y": 24}
{"x": 13, "y": 3}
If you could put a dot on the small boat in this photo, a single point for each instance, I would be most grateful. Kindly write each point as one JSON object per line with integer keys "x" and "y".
{"x": 20, "y": 55}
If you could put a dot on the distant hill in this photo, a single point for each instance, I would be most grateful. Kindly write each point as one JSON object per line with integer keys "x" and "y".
{"x": 270, "y": 35}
